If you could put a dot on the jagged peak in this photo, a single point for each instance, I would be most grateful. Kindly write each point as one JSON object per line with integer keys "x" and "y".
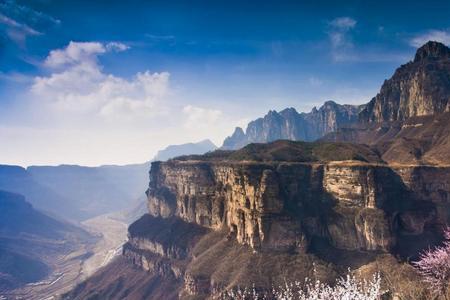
{"x": 272, "y": 112}
{"x": 329, "y": 102}
{"x": 432, "y": 49}
{"x": 288, "y": 110}
{"x": 238, "y": 131}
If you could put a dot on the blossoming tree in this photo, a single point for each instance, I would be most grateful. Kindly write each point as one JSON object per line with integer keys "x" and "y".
{"x": 434, "y": 267}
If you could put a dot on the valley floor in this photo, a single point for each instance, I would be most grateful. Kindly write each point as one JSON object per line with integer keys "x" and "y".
{"x": 68, "y": 270}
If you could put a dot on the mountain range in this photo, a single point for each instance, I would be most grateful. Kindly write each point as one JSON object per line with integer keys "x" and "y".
{"x": 78, "y": 193}
{"x": 371, "y": 194}
{"x": 418, "y": 89}
{"x": 41, "y": 208}
{"x": 288, "y": 124}
{"x": 409, "y": 120}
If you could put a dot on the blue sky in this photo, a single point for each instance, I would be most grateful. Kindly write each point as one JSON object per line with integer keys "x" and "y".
{"x": 95, "y": 82}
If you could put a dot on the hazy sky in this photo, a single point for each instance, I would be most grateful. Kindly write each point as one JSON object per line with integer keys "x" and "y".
{"x": 102, "y": 82}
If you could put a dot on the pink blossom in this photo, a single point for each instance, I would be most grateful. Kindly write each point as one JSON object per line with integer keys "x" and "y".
{"x": 434, "y": 266}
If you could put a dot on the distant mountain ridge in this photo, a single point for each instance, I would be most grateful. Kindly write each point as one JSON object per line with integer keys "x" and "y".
{"x": 79, "y": 193}
{"x": 18, "y": 180}
{"x": 184, "y": 149}
{"x": 289, "y": 124}
{"x": 94, "y": 190}
{"x": 371, "y": 207}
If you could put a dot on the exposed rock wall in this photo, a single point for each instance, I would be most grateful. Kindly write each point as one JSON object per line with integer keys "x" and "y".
{"x": 280, "y": 206}
{"x": 430, "y": 184}
{"x": 204, "y": 214}
{"x": 418, "y": 88}
{"x": 244, "y": 199}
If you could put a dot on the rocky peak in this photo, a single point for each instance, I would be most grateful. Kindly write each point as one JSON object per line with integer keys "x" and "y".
{"x": 289, "y": 112}
{"x": 288, "y": 124}
{"x": 432, "y": 50}
{"x": 418, "y": 88}
{"x": 329, "y": 103}
{"x": 237, "y": 139}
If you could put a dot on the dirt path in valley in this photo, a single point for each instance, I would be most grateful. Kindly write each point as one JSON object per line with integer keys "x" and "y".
{"x": 114, "y": 235}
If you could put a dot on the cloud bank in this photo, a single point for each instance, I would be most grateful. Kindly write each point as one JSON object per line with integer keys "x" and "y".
{"x": 78, "y": 83}
{"x": 77, "y": 112}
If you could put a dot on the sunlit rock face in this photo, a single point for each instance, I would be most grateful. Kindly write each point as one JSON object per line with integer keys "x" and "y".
{"x": 418, "y": 88}
{"x": 280, "y": 206}
{"x": 246, "y": 200}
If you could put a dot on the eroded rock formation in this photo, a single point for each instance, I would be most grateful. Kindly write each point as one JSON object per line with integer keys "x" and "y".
{"x": 288, "y": 124}
{"x": 283, "y": 207}
{"x": 271, "y": 206}
{"x": 274, "y": 211}
{"x": 418, "y": 88}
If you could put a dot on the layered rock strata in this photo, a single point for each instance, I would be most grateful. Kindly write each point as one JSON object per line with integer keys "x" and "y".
{"x": 280, "y": 206}
{"x": 419, "y": 88}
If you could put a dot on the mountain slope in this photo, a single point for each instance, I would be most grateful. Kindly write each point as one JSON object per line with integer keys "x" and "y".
{"x": 419, "y": 88}
{"x": 94, "y": 190}
{"x": 409, "y": 120}
{"x": 16, "y": 179}
{"x": 106, "y": 189}
{"x": 274, "y": 212}
{"x": 288, "y": 124}
{"x": 29, "y": 240}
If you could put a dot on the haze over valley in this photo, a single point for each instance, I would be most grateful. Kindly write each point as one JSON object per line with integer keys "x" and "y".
{"x": 224, "y": 150}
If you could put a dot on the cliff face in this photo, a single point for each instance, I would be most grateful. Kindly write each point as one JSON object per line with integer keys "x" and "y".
{"x": 268, "y": 212}
{"x": 418, "y": 88}
{"x": 231, "y": 214}
{"x": 288, "y": 124}
{"x": 281, "y": 206}
{"x": 408, "y": 122}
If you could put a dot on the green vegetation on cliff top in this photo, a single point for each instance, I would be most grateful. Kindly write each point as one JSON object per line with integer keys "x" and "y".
{"x": 292, "y": 151}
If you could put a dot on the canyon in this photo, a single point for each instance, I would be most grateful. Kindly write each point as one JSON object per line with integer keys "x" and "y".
{"x": 280, "y": 215}
{"x": 369, "y": 195}
{"x": 74, "y": 223}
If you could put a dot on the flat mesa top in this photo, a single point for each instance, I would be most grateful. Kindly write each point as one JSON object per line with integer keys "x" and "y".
{"x": 291, "y": 151}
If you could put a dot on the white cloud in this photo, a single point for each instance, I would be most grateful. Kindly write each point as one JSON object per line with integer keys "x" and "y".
{"x": 75, "y": 53}
{"x": 80, "y": 85}
{"x": 200, "y": 123}
{"x": 343, "y": 23}
{"x": 18, "y": 26}
{"x": 432, "y": 35}
{"x": 19, "y": 22}
{"x": 115, "y": 46}
{"x": 79, "y": 113}
{"x": 340, "y": 38}
{"x": 81, "y": 53}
